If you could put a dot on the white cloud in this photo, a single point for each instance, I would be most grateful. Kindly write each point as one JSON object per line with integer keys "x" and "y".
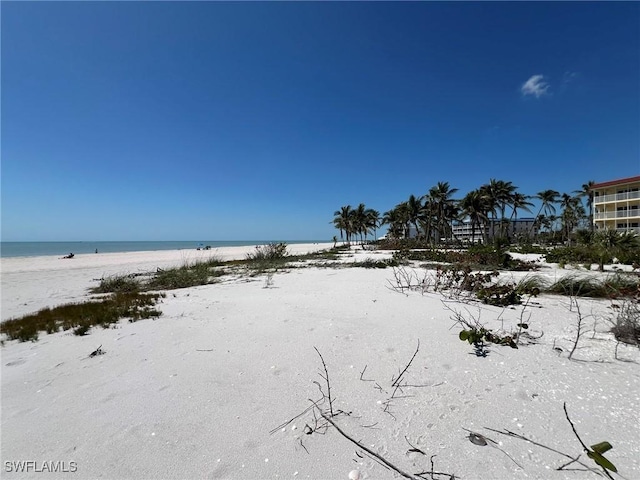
{"x": 536, "y": 85}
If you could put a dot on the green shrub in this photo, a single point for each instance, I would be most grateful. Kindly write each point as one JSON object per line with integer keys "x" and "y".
{"x": 500, "y": 295}
{"x": 266, "y": 257}
{"x": 81, "y": 330}
{"x": 271, "y": 251}
{"x": 477, "y": 335}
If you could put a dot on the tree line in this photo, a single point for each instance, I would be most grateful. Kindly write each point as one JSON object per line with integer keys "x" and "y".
{"x": 489, "y": 210}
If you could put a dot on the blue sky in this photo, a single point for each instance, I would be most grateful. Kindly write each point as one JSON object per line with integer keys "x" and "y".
{"x": 220, "y": 121}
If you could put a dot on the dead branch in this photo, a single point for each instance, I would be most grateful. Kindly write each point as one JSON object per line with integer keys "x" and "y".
{"x": 564, "y": 406}
{"x": 395, "y": 383}
{"x": 326, "y": 379}
{"x": 362, "y": 374}
{"x": 415, "y": 449}
{"x": 509, "y": 433}
{"x": 574, "y": 300}
{"x": 369, "y": 451}
{"x": 288, "y": 422}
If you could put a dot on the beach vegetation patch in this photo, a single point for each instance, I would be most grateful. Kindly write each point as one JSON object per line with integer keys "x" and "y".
{"x": 190, "y": 274}
{"x": 604, "y": 246}
{"x": 626, "y": 323}
{"x": 373, "y": 263}
{"x": 267, "y": 257}
{"x": 479, "y": 257}
{"x": 118, "y": 283}
{"x": 271, "y": 251}
{"x": 499, "y": 295}
{"x": 532, "y": 285}
{"x": 80, "y": 317}
{"x": 613, "y": 286}
{"x": 187, "y": 275}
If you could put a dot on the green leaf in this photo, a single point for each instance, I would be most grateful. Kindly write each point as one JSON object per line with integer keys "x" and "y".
{"x": 464, "y": 335}
{"x": 603, "y": 462}
{"x": 601, "y": 447}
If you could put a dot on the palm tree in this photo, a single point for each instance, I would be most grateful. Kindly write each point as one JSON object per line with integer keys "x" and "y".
{"x": 587, "y": 192}
{"x": 398, "y": 220}
{"x": 414, "y": 210}
{"x": 443, "y": 207}
{"x": 373, "y": 221}
{"x": 547, "y": 198}
{"x": 359, "y": 221}
{"x": 342, "y": 221}
{"x": 473, "y": 207}
{"x": 503, "y": 193}
{"x": 490, "y": 200}
{"x": 519, "y": 201}
{"x": 572, "y": 211}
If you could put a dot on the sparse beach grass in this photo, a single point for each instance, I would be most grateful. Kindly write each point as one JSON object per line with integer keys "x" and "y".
{"x": 612, "y": 286}
{"x": 187, "y": 275}
{"x": 117, "y": 283}
{"x": 82, "y": 316}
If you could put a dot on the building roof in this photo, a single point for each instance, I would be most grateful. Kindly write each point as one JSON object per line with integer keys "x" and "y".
{"x": 611, "y": 183}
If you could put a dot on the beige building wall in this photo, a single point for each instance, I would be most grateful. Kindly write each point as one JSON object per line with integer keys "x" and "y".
{"x": 616, "y": 204}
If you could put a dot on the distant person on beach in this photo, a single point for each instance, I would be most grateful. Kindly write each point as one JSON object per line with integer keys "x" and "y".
{"x": 69, "y": 256}
{"x": 96, "y": 250}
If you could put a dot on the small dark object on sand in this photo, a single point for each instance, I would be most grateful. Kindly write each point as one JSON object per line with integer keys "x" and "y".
{"x": 71, "y": 255}
{"x": 96, "y": 352}
{"x": 477, "y": 439}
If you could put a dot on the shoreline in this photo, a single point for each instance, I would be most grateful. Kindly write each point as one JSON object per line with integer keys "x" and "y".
{"x": 29, "y": 284}
{"x": 48, "y": 249}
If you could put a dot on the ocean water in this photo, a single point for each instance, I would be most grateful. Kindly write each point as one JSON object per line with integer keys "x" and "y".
{"x": 32, "y": 249}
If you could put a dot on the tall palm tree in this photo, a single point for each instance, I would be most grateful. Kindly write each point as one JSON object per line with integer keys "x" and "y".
{"x": 342, "y": 221}
{"x": 572, "y": 211}
{"x": 504, "y": 192}
{"x": 519, "y": 201}
{"x": 548, "y": 199}
{"x": 398, "y": 220}
{"x": 490, "y": 200}
{"x": 443, "y": 206}
{"x": 359, "y": 221}
{"x": 414, "y": 210}
{"x": 373, "y": 221}
{"x": 473, "y": 207}
{"x": 587, "y": 192}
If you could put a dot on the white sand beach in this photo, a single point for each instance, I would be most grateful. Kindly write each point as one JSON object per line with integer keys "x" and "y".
{"x": 206, "y": 390}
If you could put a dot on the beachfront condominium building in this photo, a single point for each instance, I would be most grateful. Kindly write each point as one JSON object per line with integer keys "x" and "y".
{"x": 616, "y": 204}
{"x": 514, "y": 228}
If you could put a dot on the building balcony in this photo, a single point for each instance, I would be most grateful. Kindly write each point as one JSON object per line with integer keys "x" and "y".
{"x": 616, "y": 197}
{"x": 618, "y": 214}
